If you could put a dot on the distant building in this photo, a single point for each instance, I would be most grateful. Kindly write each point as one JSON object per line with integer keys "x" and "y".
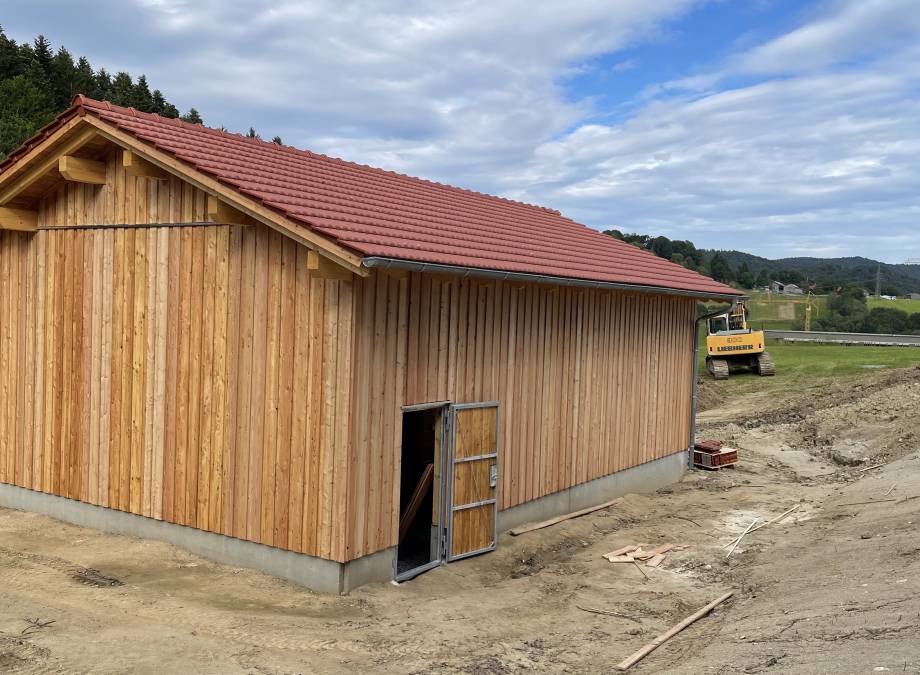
{"x": 912, "y": 296}
{"x": 786, "y": 289}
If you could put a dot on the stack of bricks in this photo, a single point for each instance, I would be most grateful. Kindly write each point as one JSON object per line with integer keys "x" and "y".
{"x": 712, "y": 455}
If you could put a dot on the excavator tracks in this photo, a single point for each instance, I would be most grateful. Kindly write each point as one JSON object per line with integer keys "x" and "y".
{"x": 718, "y": 368}
{"x": 765, "y": 364}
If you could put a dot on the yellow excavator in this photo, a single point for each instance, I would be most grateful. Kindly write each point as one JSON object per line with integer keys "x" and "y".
{"x": 729, "y": 342}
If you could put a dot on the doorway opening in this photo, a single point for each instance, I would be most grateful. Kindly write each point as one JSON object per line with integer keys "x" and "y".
{"x": 420, "y": 490}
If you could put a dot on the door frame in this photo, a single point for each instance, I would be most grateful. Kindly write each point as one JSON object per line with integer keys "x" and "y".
{"x": 449, "y": 493}
{"x": 445, "y": 418}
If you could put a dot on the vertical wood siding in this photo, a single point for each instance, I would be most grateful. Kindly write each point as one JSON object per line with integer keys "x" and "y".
{"x": 197, "y": 375}
{"x": 202, "y": 376}
{"x": 590, "y": 382}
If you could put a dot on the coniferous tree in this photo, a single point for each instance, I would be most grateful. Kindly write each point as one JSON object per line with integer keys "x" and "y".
{"x": 193, "y": 117}
{"x": 37, "y": 83}
{"x": 277, "y": 140}
{"x": 84, "y": 82}
{"x": 62, "y": 76}
{"x": 142, "y": 99}
{"x": 42, "y": 54}
{"x": 103, "y": 85}
{"x": 122, "y": 89}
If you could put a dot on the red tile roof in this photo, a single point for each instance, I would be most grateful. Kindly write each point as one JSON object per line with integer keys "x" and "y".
{"x": 381, "y": 213}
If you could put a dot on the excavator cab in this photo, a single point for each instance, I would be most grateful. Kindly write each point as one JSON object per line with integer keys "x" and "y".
{"x": 729, "y": 342}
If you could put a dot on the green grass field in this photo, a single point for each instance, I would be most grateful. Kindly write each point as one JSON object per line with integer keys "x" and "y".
{"x": 909, "y": 306}
{"x": 802, "y": 365}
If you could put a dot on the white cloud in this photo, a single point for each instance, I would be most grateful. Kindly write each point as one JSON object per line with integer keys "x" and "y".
{"x": 822, "y": 163}
{"x": 849, "y": 29}
{"x": 806, "y": 142}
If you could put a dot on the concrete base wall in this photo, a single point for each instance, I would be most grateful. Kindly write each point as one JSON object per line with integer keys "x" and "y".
{"x": 328, "y": 576}
{"x": 325, "y": 576}
{"x": 644, "y": 478}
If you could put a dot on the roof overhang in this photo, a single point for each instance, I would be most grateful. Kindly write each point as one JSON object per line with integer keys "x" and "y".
{"x": 76, "y": 128}
{"x": 382, "y": 263}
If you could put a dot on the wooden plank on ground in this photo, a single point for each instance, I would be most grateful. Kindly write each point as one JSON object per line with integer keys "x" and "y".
{"x": 530, "y": 527}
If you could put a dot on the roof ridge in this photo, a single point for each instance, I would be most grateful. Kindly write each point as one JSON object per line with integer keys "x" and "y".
{"x": 81, "y": 100}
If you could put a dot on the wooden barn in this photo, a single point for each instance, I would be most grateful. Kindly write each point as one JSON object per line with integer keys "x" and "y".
{"x": 331, "y": 372}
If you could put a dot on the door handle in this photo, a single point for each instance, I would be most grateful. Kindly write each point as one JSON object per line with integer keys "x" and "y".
{"x": 493, "y": 475}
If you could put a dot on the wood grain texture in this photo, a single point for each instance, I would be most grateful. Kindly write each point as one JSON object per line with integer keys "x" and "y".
{"x": 134, "y": 377}
{"x": 590, "y": 382}
{"x": 201, "y": 374}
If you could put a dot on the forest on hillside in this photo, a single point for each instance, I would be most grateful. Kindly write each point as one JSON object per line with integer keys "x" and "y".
{"x": 846, "y": 281}
{"x": 821, "y": 275}
{"x": 37, "y": 83}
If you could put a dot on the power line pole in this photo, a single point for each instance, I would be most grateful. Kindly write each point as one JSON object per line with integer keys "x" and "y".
{"x": 878, "y": 281}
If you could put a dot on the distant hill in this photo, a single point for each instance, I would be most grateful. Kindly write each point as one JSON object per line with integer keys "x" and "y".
{"x": 748, "y": 271}
{"x": 896, "y": 279}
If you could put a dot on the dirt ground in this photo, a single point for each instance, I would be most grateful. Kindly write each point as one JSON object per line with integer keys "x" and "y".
{"x": 834, "y": 588}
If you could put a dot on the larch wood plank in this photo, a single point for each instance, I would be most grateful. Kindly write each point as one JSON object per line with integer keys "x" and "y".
{"x": 203, "y": 446}
{"x": 183, "y": 378}
{"x": 138, "y": 374}
{"x": 195, "y": 377}
{"x": 313, "y": 466}
{"x": 330, "y": 331}
{"x": 271, "y": 401}
{"x": 171, "y": 318}
{"x": 288, "y": 323}
{"x": 232, "y": 329}
{"x": 219, "y": 382}
{"x": 390, "y": 466}
{"x": 257, "y": 418}
{"x": 300, "y": 408}
{"x": 95, "y": 403}
{"x": 340, "y": 476}
{"x": 151, "y": 318}
{"x": 241, "y": 491}
{"x": 159, "y": 381}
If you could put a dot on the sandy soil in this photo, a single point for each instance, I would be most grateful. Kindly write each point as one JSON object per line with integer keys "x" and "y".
{"x": 834, "y": 588}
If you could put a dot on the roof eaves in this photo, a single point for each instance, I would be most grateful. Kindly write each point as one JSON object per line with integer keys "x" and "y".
{"x": 383, "y": 263}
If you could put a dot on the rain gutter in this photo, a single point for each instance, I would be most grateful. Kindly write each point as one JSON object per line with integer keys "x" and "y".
{"x": 693, "y": 404}
{"x": 376, "y": 262}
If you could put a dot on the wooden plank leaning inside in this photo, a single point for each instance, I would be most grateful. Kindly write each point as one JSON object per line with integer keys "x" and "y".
{"x": 418, "y": 496}
{"x": 18, "y": 219}
{"x": 80, "y": 170}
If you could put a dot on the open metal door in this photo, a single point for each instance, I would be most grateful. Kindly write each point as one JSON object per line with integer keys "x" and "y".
{"x": 472, "y": 495}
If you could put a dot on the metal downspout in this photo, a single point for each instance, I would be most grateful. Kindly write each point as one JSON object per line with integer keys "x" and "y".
{"x": 696, "y": 368}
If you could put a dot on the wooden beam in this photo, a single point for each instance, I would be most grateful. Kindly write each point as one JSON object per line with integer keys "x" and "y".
{"x": 18, "y": 219}
{"x": 221, "y": 212}
{"x": 323, "y": 268}
{"x": 415, "y": 503}
{"x": 136, "y": 165}
{"x": 258, "y": 211}
{"x": 80, "y": 170}
{"x": 29, "y": 167}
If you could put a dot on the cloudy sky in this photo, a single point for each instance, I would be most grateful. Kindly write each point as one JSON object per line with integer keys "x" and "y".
{"x": 776, "y": 126}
